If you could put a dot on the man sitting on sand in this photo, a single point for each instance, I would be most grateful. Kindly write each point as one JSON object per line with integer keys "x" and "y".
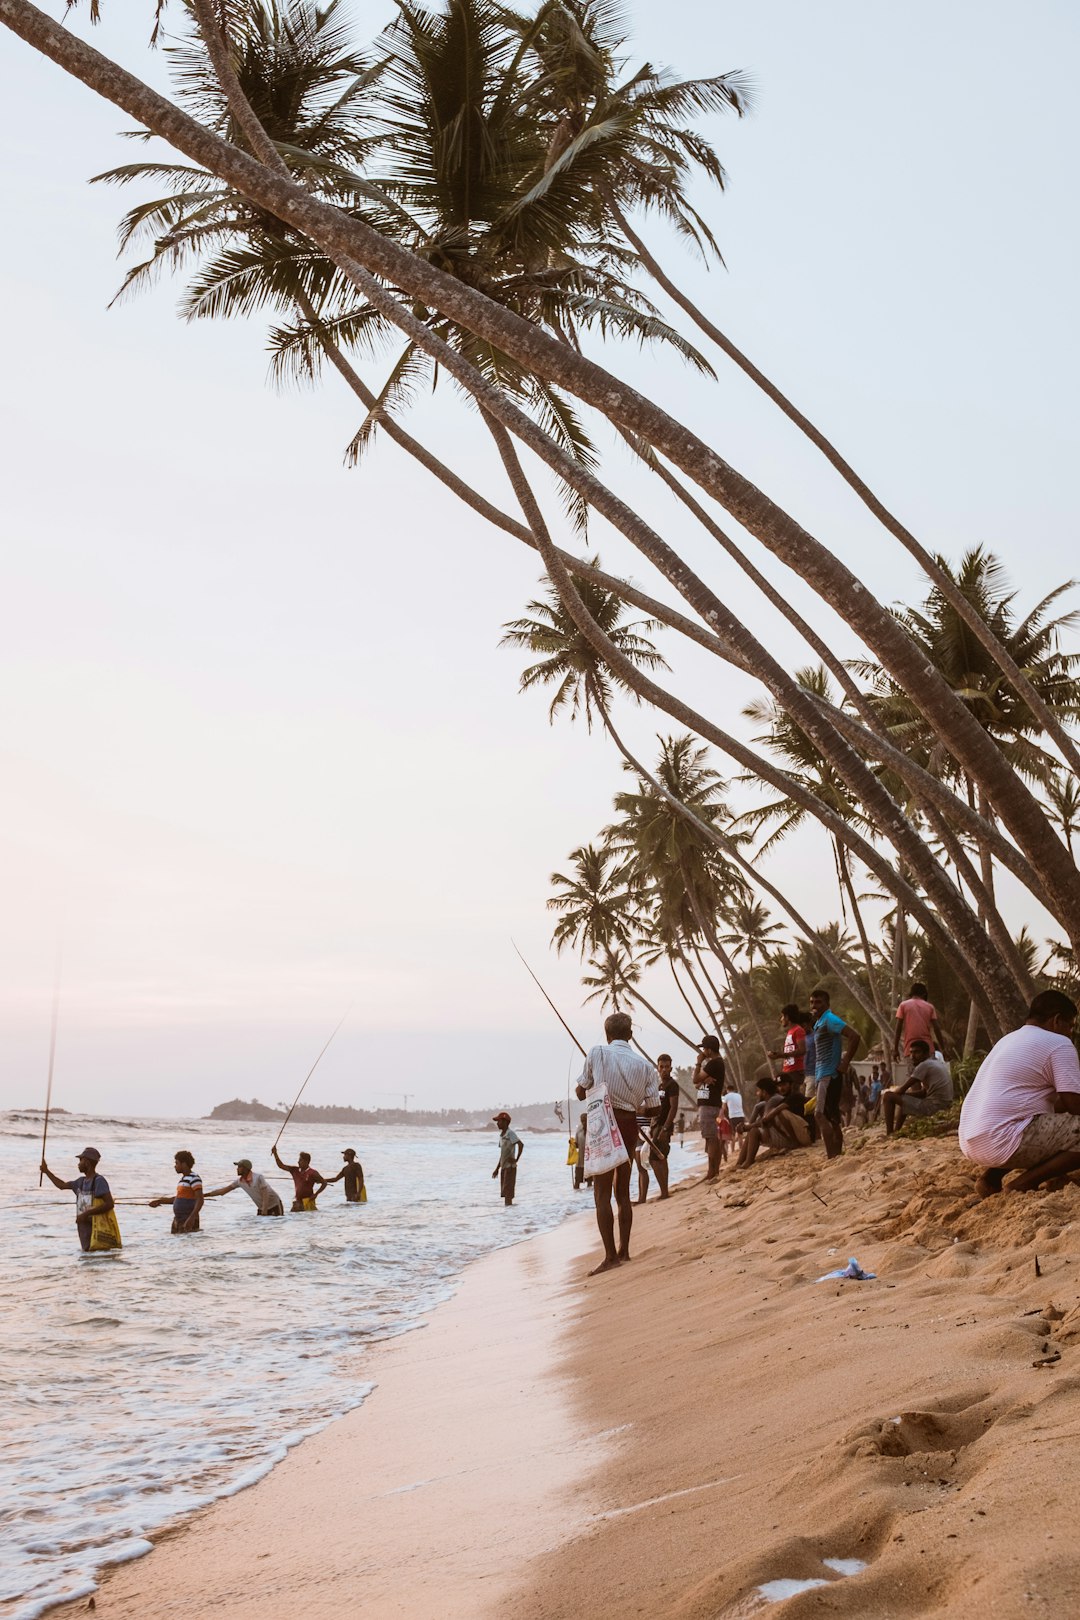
{"x": 632, "y": 1086}
{"x": 307, "y": 1183}
{"x": 778, "y": 1122}
{"x": 927, "y": 1090}
{"x": 1023, "y": 1109}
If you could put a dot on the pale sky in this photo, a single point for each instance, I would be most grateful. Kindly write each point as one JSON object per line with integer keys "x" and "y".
{"x": 259, "y": 753}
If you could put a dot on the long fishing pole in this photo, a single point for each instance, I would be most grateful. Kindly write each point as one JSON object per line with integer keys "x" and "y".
{"x": 52, "y": 1063}
{"x": 309, "y": 1074}
{"x": 550, "y": 1003}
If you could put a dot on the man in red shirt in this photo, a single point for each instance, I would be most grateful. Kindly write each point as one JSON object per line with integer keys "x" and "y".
{"x": 917, "y": 1020}
{"x": 307, "y": 1183}
{"x": 794, "y": 1052}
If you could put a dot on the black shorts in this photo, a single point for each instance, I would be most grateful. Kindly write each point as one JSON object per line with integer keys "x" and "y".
{"x": 628, "y": 1130}
{"x": 829, "y": 1108}
{"x": 508, "y": 1180}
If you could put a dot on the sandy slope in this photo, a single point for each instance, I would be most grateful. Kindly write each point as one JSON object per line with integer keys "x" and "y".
{"x": 667, "y": 1438}
{"x": 778, "y": 1421}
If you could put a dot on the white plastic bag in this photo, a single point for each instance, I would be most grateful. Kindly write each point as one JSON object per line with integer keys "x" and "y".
{"x": 604, "y": 1147}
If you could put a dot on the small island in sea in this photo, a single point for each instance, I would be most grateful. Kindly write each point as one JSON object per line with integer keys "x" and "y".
{"x": 538, "y": 1116}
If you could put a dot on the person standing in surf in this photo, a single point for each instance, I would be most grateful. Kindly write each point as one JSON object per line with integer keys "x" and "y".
{"x": 266, "y": 1199}
{"x": 633, "y": 1086}
{"x": 307, "y": 1183}
{"x": 511, "y": 1147}
{"x": 352, "y": 1172}
{"x": 92, "y": 1195}
{"x": 188, "y": 1199}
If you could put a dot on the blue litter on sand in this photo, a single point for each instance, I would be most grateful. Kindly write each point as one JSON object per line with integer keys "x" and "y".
{"x": 852, "y": 1270}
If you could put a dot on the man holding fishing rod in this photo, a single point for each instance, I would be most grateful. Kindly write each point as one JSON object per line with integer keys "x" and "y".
{"x": 92, "y": 1195}
{"x": 632, "y": 1085}
{"x": 307, "y": 1183}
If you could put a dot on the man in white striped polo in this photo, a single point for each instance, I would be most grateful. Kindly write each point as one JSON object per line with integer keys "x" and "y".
{"x": 633, "y": 1086}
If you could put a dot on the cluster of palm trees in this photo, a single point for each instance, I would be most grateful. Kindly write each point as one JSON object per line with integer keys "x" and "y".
{"x": 473, "y": 198}
{"x": 676, "y": 880}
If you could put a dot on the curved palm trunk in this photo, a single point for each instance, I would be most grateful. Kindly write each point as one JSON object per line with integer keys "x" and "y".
{"x": 696, "y": 1014}
{"x": 939, "y": 577}
{"x": 364, "y": 255}
{"x": 985, "y": 901}
{"x": 729, "y": 847}
{"x": 881, "y": 746}
{"x": 994, "y": 986}
{"x": 728, "y": 1049}
{"x": 635, "y": 995}
{"x": 843, "y": 866}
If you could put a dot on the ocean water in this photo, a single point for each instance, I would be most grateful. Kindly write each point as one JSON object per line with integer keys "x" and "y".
{"x": 139, "y": 1386}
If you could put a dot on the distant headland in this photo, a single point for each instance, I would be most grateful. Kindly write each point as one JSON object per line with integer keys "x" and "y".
{"x": 539, "y": 1116}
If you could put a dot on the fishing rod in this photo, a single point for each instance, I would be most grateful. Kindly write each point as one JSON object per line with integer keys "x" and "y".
{"x": 52, "y": 1062}
{"x": 309, "y": 1074}
{"x": 550, "y": 1003}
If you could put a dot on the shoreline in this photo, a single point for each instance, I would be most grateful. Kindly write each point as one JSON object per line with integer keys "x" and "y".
{"x": 376, "y": 1497}
{"x": 707, "y": 1433}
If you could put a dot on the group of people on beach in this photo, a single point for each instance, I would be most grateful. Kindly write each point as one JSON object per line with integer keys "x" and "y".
{"x": 94, "y": 1199}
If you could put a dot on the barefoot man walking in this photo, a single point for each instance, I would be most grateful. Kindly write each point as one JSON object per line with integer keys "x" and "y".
{"x": 634, "y": 1088}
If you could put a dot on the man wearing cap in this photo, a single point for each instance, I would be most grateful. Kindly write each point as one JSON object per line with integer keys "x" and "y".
{"x": 353, "y": 1173}
{"x": 511, "y": 1147}
{"x": 633, "y": 1087}
{"x": 258, "y": 1189}
{"x": 92, "y": 1195}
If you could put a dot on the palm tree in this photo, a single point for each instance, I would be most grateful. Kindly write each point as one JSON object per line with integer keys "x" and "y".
{"x": 1034, "y": 642}
{"x": 1063, "y": 792}
{"x": 365, "y": 253}
{"x": 752, "y": 934}
{"x": 583, "y": 683}
{"x": 596, "y": 906}
{"x": 786, "y": 739}
{"x": 633, "y": 137}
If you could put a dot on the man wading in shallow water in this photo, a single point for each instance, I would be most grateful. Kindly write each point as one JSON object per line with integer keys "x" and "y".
{"x": 633, "y": 1087}
{"x": 92, "y": 1195}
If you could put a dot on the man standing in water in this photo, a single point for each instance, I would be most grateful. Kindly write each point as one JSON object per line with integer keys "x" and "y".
{"x": 307, "y": 1183}
{"x": 631, "y": 1083}
{"x": 511, "y": 1147}
{"x": 266, "y": 1199}
{"x": 92, "y": 1195}
{"x": 353, "y": 1172}
{"x": 188, "y": 1198}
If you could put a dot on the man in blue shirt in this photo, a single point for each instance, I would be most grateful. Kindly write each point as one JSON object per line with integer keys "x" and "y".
{"x": 835, "y": 1044}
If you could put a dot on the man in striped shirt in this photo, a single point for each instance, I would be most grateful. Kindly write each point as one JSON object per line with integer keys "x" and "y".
{"x": 633, "y": 1087}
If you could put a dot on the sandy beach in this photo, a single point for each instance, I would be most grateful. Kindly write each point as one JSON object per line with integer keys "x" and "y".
{"x": 675, "y": 1436}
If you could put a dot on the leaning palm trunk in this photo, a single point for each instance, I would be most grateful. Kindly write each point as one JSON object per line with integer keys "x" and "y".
{"x": 985, "y": 974}
{"x": 363, "y": 254}
{"x": 881, "y": 1018}
{"x": 729, "y": 847}
{"x": 635, "y": 995}
{"x": 938, "y": 575}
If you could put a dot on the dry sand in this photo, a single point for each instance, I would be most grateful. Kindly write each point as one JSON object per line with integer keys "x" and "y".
{"x": 668, "y": 1438}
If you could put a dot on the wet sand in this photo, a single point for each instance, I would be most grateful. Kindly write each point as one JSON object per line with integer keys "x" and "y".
{"x": 674, "y": 1437}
